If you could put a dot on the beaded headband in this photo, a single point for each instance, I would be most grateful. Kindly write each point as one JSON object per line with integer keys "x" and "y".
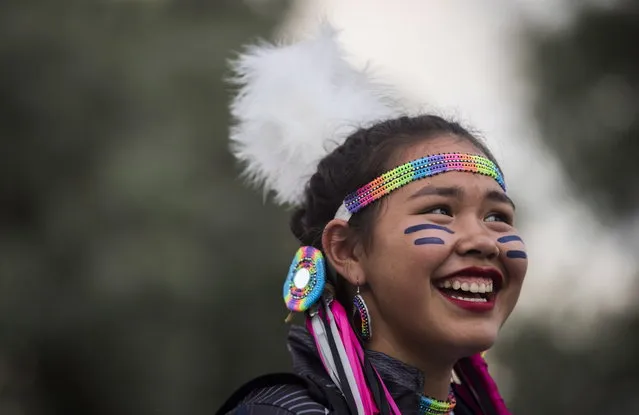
{"x": 414, "y": 170}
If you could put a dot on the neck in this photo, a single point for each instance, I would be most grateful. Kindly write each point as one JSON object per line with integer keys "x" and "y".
{"x": 437, "y": 381}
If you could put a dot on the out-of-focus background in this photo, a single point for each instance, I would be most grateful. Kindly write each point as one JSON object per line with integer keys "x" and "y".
{"x": 138, "y": 275}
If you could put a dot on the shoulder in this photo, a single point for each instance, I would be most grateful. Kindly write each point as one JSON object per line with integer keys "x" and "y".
{"x": 280, "y": 394}
{"x": 285, "y": 399}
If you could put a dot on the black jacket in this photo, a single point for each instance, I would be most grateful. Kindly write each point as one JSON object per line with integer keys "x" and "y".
{"x": 405, "y": 383}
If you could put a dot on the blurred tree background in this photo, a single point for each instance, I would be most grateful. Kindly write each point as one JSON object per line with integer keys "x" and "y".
{"x": 135, "y": 266}
{"x": 138, "y": 274}
{"x": 587, "y": 105}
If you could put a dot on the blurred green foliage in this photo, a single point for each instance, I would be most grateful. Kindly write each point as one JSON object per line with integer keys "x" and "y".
{"x": 588, "y": 104}
{"x": 600, "y": 375}
{"x": 139, "y": 276}
{"x": 137, "y": 271}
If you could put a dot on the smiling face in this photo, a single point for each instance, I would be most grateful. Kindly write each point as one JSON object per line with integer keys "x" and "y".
{"x": 445, "y": 265}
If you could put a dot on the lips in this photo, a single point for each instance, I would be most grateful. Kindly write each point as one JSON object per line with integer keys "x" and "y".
{"x": 472, "y": 288}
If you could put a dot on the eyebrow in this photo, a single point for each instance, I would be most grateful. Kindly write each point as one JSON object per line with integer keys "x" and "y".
{"x": 500, "y": 197}
{"x": 458, "y": 192}
{"x": 429, "y": 190}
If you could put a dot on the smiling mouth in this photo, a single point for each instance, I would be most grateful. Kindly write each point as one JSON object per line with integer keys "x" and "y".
{"x": 471, "y": 288}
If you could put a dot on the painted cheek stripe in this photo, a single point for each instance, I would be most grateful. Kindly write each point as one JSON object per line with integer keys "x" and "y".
{"x": 516, "y": 254}
{"x": 509, "y": 238}
{"x": 429, "y": 241}
{"x": 426, "y": 226}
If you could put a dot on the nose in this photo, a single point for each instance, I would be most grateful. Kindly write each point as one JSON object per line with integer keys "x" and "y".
{"x": 477, "y": 242}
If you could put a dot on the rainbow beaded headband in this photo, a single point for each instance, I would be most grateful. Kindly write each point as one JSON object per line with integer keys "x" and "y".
{"x": 414, "y": 170}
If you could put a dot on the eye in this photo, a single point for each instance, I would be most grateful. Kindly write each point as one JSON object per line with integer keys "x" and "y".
{"x": 439, "y": 210}
{"x": 499, "y": 217}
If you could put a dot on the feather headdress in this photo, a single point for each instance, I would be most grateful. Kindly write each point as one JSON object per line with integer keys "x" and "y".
{"x": 295, "y": 104}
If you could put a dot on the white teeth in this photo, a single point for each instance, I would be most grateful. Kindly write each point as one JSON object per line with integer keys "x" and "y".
{"x": 473, "y": 287}
{"x": 472, "y": 300}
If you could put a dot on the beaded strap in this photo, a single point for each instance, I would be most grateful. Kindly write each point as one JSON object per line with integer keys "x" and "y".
{"x": 414, "y": 170}
{"x": 431, "y": 406}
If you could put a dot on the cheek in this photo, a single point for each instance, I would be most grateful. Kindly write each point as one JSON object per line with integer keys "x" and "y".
{"x": 516, "y": 263}
{"x": 514, "y": 257}
{"x": 429, "y": 250}
{"x": 403, "y": 263}
{"x": 406, "y": 252}
{"x": 414, "y": 264}
{"x": 517, "y": 272}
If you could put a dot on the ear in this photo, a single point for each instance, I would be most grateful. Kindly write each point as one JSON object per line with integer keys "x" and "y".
{"x": 343, "y": 254}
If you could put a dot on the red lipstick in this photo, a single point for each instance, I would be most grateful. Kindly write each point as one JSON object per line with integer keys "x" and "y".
{"x": 472, "y": 288}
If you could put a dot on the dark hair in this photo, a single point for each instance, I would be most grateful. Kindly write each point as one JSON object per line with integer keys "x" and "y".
{"x": 365, "y": 155}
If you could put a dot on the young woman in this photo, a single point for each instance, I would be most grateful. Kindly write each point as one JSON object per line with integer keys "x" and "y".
{"x": 410, "y": 260}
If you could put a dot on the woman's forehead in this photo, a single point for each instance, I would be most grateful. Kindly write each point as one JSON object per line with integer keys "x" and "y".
{"x": 436, "y": 145}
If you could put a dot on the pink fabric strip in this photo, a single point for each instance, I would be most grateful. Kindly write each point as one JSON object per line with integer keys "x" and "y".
{"x": 353, "y": 357}
{"x": 389, "y": 398}
{"x": 353, "y": 361}
{"x": 462, "y": 391}
{"x": 480, "y": 365}
{"x": 356, "y": 357}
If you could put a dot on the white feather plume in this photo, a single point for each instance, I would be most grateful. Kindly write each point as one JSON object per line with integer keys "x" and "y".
{"x": 295, "y": 104}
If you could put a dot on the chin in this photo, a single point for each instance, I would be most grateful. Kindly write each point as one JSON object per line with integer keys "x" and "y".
{"x": 478, "y": 340}
{"x": 475, "y": 339}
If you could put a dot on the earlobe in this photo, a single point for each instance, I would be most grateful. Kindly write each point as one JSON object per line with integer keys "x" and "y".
{"x": 342, "y": 252}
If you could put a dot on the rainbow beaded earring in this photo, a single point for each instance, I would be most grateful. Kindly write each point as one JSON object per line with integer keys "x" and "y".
{"x": 306, "y": 279}
{"x": 364, "y": 317}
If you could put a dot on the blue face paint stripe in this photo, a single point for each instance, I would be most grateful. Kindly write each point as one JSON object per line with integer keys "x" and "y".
{"x": 516, "y": 254}
{"x": 429, "y": 241}
{"x": 425, "y": 226}
{"x": 509, "y": 238}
